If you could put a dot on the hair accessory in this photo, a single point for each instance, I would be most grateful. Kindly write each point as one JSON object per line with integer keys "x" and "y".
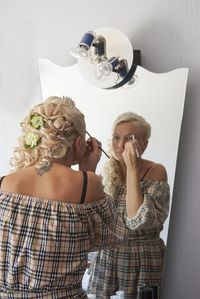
{"x": 31, "y": 140}
{"x": 36, "y": 121}
{"x": 67, "y": 98}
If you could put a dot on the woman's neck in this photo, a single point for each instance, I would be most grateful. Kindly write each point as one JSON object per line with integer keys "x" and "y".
{"x": 63, "y": 162}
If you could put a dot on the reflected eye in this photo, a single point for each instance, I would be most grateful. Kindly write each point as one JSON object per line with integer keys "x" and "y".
{"x": 116, "y": 138}
{"x": 128, "y": 138}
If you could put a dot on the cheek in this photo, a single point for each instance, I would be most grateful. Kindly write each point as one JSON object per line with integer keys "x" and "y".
{"x": 142, "y": 145}
{"x": 114, "y": 146}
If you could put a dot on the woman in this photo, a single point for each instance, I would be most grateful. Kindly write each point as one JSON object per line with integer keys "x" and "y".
{"x": 140, "y": 189}
{"x": 51, "y": 216}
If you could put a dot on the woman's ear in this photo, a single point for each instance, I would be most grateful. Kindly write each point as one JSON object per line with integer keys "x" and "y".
{"x": 77, "y": 145}
{"x": 77, "y": 150}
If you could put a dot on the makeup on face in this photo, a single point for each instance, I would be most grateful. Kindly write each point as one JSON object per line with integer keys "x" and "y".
{"x": 124, "y": 132}
{"x": 120, "y": 141}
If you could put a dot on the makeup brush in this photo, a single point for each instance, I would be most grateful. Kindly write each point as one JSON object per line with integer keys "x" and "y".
{"x": 136, "y": 148}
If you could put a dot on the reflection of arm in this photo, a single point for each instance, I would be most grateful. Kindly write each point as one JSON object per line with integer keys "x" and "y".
{"x": 106, "y": 227}
{"x": 134, "y": 196}
{"x": 144, "y": 207}
{"x": 155, "y": 207}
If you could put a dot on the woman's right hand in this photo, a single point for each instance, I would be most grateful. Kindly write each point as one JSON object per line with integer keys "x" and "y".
{"x": 92, "y": 155}
{"x": 132, "y": 153}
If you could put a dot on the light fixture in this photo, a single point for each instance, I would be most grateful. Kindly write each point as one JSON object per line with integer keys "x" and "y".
{"x": 105, "y": 67}
{"x": 99, "y": 49}
{"x": 83, "y": 49}
{"x": 91, "y": 46}
{"x": 105, "y": 58}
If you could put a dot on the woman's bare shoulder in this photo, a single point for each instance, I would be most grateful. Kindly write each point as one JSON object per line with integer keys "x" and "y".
{"x": 157, "y": 172}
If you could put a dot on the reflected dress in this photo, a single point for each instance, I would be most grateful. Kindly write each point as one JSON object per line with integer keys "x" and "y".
{"x": 139, "y": 259}
{"x": 44, "y": 244}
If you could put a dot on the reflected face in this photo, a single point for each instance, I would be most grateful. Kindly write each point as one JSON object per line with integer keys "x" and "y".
{"x": 122, "y": 133}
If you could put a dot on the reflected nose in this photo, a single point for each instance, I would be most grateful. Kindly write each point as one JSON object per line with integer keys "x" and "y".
{"x": 121, "y": 144}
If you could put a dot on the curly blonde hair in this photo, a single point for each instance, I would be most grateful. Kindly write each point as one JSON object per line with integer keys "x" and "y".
{"x": 112, "y": 173}
{"x": 62, "y": 123}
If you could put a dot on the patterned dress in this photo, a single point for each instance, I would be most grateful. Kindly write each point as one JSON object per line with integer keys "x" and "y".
{"x": 44, "y": 244}
{"x": 140, "y": 258}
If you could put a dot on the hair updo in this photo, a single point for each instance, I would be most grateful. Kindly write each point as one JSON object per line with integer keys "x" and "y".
{"x": 48, "y": 132}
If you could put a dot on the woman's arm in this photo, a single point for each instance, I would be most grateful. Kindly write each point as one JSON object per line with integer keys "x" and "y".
{"x": 106, "y": 227}
{"x": 155, "y": 208}
{"x": 134, "y": 197}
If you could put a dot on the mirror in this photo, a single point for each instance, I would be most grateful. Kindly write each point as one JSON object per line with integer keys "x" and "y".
{"x": 159, "y": 98}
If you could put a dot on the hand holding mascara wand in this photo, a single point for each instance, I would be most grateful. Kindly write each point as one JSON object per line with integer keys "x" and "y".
{"x": 136, "y": 145}
{"x": 99, "y": 146}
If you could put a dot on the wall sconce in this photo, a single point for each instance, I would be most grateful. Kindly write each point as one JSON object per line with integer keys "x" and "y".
{"x": 105, "y": 58}
{"x": 83, "y": 49}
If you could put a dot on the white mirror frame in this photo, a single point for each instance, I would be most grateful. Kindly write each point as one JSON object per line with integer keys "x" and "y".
{"x": 159, "y": 98}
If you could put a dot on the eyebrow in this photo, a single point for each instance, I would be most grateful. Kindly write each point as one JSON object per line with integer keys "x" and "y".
{"x": 129, "y": 135}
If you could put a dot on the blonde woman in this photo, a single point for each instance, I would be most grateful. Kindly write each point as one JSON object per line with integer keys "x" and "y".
{"x": 140, "y": 189}
{"x": 51, "y": 216}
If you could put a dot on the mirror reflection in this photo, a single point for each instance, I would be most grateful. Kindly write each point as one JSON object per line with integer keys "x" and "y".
{"x": 141, "y": 183}
{"x": 157, "y": 99}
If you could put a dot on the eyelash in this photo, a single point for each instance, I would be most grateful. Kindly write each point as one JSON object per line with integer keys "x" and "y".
{"x": 129, "y": 138}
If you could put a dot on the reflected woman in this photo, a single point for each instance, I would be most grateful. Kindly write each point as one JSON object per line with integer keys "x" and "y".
{"x": 140, "y": 186}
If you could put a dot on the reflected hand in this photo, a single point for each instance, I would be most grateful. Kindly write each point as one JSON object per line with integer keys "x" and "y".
{"x": 132, "y": 153}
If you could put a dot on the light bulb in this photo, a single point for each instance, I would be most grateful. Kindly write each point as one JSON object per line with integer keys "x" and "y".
{"x": 83, "y": 49}
{"x": 105, "y": 67}
{"x": 99, "y": 46}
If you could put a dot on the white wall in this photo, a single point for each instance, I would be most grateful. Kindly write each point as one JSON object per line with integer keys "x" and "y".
{"x": 167, "y": 33}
